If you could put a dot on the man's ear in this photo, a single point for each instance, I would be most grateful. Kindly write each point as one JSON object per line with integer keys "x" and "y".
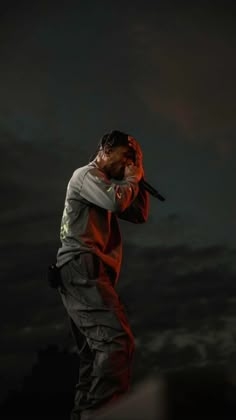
{"x": 107, "y": 149}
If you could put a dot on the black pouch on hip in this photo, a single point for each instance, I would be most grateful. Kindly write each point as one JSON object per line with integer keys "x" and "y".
{"x": 54, "y": 277}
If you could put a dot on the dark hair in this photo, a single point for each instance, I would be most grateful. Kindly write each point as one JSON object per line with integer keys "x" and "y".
{"x": 113, "y": 139}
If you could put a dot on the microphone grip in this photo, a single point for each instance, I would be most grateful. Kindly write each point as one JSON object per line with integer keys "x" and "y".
{"x": 151, "y": 190}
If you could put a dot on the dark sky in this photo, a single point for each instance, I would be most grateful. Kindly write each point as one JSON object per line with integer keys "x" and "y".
{"x": 165, "y": 74}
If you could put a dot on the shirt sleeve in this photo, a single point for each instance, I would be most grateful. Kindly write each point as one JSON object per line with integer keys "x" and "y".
{"x": 103, "y": 192}
{"x": 138, "y": 211}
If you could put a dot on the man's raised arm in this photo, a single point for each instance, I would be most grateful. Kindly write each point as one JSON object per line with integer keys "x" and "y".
{"x": 138, "y": 210}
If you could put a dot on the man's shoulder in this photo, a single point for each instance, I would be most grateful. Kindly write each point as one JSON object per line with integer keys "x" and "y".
{"x": 92, "y": 169}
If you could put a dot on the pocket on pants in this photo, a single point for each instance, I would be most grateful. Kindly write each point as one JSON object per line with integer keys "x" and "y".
{"x": 86, "y": 267}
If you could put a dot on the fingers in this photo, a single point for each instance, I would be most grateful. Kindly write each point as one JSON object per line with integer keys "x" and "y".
{"x": 138, "y": 155}
{"x": 134, "y": 144}
{"x": 138, "y": 151}
{"x": 132, "y": 170}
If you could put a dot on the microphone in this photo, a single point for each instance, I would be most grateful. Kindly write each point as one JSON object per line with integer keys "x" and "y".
{"x": 151, "y": 189}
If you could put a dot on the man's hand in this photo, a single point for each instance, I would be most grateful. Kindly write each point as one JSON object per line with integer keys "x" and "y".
{"x": 135, "y": 168}
{"x": 132, "y": 170}
{"x": 138, "y": 151}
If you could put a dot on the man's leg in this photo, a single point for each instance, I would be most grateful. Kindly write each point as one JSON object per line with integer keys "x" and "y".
{"x": 98, "y": 314}
{"x": 86, "y": 357}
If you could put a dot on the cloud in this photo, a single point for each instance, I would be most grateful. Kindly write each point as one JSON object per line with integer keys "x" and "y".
{"x": 185, "y": 65}
{"x": 178, "y": 287}
{"x": 34, "y": 179}
{"x": 204, "y": 346}
{"x": 165, "y": 63}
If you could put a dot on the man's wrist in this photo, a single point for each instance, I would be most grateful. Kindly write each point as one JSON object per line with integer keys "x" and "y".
{"x": 132, "y": 178}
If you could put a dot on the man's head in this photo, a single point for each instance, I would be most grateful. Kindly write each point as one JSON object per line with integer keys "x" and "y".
{"x": 115, "y": 153}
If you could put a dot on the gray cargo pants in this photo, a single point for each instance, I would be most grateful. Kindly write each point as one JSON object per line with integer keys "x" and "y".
{"x": 101, "y": 331}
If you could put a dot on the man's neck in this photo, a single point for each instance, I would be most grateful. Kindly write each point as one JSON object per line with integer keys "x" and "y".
{"x": 99, "y": 162}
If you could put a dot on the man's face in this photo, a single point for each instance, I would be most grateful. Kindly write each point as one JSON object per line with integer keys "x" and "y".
{"x": 117, "y": 159}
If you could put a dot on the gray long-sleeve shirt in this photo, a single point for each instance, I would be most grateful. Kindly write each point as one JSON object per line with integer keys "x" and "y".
{"x": 89, "y": 221}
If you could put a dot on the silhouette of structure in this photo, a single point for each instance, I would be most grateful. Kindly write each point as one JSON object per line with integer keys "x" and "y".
{"x": 48, "y": 391}
{"x": 205, "y": 393}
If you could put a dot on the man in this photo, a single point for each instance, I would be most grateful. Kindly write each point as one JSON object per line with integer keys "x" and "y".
{"x": 99, "y": 193}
